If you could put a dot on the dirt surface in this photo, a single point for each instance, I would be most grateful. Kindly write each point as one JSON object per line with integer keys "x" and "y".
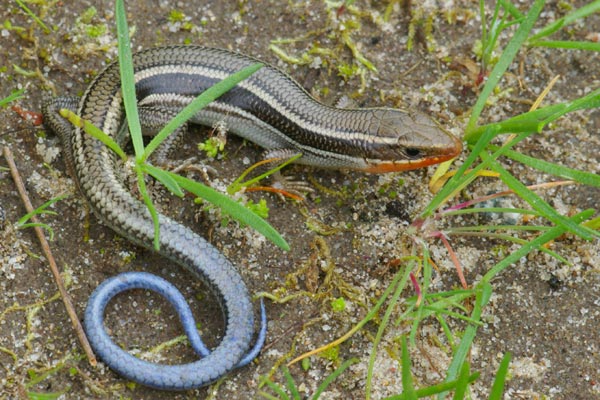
{"x": 343, "y": 237}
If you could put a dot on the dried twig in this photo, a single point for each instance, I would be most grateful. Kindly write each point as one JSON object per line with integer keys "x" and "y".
{"x": 53, "y": 267}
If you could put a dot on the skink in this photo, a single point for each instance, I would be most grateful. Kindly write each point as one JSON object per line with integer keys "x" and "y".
{"x": 269, "y": 109}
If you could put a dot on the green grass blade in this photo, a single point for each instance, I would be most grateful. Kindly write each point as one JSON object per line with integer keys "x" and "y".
{"x": 490, "y": 39}
{"x": 579, "y": 13}
{"x": 232, "y": 208}
{"x": 291, "y": 385}
{"x": 460, "y": 179}
{"x": 512, "y": 239}
{"x": 41, "y": 209}
{"x": 32, "y": 15}
{"x": 484, "y": 34}
{"x": 237, "y": 185}
{"x": 269, "y": 396}
{"x": 128, "y": 80}
{"x": 408, "y": 387}
{"x": 198, "y": 103}
{"x": 435, "y": 389}
{"x": 462, "y": 383}
{"x": 431, "y": 310}
{"x": 513, "y": 11}
{"x": 529, "y": 122}
{"x": 591, "y": 100}
{"x": 537, "y": 242}
{"x": 277, "y": 389}
{"x": 538, "y": 204}
{"x": 398, "y": 288}
{"x": 503, "y": 63}
{"x": 586, "y": 178}
{"x": 47, "y": 396}
{"x": 498, "y": 385}
{"x": 12, "y": 97}
{"x": 447, "y": 331}
{"x": 534, "y": 121}
{"x": 399, "y": 279}
{"x": 165, "y": 178}
{"x": 150, "y": 206}
{"x": 566, "y": 44}
{"x": 492, "y": 210}
{"x": 593, "y": 223}
{"x": 535, "y": 201}
{"x": 94, "y": 131}
{"x": 424, "y": 287}
{"x": 460, "y": 355}
{"x": 327, "y": 381}
{"x": 40, "y": 225}
{"x": 482, "y": 229}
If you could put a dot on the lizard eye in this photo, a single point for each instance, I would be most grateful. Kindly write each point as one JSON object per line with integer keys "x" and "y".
{"x": 412, "y": 152}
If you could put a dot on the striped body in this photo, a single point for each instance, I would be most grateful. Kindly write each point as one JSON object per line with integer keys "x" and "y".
{"x": 273, "y": 111}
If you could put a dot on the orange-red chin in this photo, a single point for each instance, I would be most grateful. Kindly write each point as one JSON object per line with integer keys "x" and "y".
{"x": 391, "y": 166}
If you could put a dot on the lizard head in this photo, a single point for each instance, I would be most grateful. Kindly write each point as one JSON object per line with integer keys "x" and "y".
{"x": 404, "y": 140}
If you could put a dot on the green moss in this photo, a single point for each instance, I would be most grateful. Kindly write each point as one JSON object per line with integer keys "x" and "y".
{"x": 564, "y": 6}
{"x": 331, "y": 354}
{"x": 212, "y": 146}
{"x": 179, "y": 21}
{"x": 338, "y": 305}
{"x": 176, "y": 16}
{"x": 88, "y": 15}
{"x": 330, "y": 44}
{"x": 261, "y": 209}
{"x": 347, "y": 71}
{"x": 91, "y": 29}
{"x": 95, "y": 31}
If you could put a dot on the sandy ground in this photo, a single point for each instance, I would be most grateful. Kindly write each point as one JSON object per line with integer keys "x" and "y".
{"x": 544, "y": 312}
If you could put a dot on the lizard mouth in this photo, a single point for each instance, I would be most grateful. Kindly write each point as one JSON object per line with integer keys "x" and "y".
{"x": 415, "y": 160}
